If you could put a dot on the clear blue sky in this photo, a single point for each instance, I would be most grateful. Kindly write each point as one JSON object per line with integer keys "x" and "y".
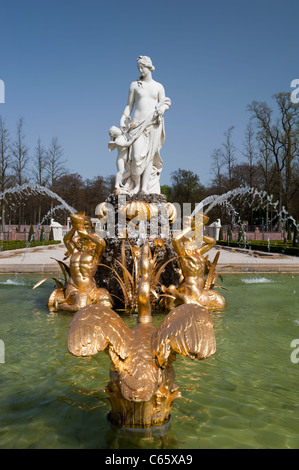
{"x": 67, "y": 66}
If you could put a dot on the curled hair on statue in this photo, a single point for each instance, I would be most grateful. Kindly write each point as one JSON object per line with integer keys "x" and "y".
{"x": 114, "y": 132}
{"x": 146, "y": 61}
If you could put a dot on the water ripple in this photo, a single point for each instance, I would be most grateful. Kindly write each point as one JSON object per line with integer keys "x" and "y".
{"x": 244, "y": 396}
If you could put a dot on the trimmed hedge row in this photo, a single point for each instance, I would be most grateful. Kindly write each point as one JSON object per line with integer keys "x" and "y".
{"x": 19, "y": 244}
{"x": 275, "y": 247}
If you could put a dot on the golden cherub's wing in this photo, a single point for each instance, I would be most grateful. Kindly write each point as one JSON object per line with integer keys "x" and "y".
{"x": 95, "y": 327}
{"x": 187, "y": 330}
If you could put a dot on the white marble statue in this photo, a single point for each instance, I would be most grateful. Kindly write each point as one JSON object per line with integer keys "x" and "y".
{"x": 139, "y": 161}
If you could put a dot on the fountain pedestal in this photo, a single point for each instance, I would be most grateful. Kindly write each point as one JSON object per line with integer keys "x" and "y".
{"x": 140, "y": 414}
{"x": 128, "y": 221}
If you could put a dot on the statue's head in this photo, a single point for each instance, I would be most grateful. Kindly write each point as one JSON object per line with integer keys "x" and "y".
{"x": 114, "y": 132}
{"x": 88, "y": 224}
{"x": 146, "y": 62}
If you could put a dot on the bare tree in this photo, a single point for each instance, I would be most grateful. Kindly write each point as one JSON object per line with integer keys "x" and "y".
{"x": 54, "y": 162}
{"x": 266, "y": 164}
{"x": 289, "y": 119}
{"x": 186, "y": 187}
{"x": 228, "y": 155}
{"x": 279, "y": 139}
{"x": 70, "y": 187}
{"x": 249, "y": 153}
{"x": 39, "y": 172}
{"x": 271, "y": 136}
{"x": 96, "y": 191}
{"x": 5, "y": 161}
{"x": 39, "y": 164}
{"x": 20, "y": 157}
{"x": 216, "y": 168}
{"x": 20, "y": 160}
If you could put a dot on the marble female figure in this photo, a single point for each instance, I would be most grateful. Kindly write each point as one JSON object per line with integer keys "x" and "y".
{"x": 147, "y": 98}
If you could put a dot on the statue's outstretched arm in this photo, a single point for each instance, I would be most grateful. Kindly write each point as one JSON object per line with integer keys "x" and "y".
{"x": 209, "y": 243}
{"x": 68, "y": 240}
{"x": 183, "y": 236}
{"x": 93, "y": 237}
{"x": 178, "y": 241}
{"x": 164, "y": 103}
{"x": 129, "y": 108}
{"x": 100, "y": 243}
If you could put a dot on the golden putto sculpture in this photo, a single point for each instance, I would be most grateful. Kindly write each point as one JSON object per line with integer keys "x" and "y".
{"x": 195, "y": 287}
{"x": 85, "y": 250}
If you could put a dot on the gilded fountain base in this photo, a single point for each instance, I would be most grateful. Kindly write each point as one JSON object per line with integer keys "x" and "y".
{"x": 140, "y": 414}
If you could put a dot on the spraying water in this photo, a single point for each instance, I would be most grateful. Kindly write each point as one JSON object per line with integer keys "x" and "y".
{"x": 224, "y": 199}
{"x": 34, "y": 190}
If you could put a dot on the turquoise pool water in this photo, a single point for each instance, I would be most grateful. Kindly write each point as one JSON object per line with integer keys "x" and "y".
{"x": 245, "y": 396}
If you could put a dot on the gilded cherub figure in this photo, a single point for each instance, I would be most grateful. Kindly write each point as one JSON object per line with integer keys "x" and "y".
{"x": 195, "y": 287}
{"x": 85, "y": 250}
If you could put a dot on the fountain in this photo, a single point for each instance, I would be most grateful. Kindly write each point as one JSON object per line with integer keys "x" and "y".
{"x": 135, "y": 223}
{"x": 143, "y": 341}
{"x": 136, "y": 246}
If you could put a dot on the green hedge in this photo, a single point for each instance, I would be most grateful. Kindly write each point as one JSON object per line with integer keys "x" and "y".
{"x": 19, "y": 244}
{"x": 276, "y": 246}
